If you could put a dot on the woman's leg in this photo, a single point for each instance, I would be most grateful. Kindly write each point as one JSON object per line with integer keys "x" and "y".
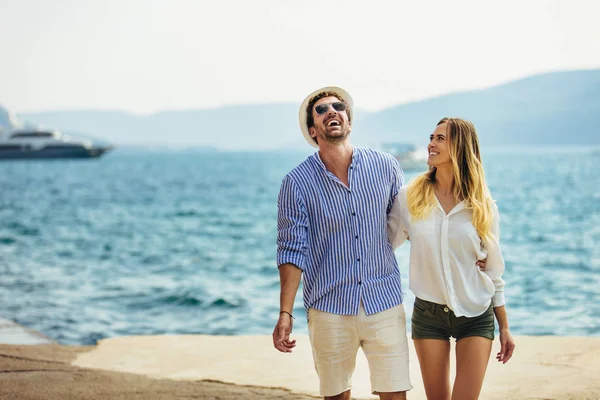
{"x": 472, "y": 357}
{"x": 434, "y": 359}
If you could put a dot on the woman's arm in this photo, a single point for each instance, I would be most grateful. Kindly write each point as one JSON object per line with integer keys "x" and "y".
{"x": 494, "y": 269}
{"x": 494, "y": 263}
{"x": 507, "y": 343}
{"x": 395, "y": 227}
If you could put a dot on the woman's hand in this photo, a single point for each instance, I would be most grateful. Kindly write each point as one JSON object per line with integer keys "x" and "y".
{"x": 481, "y": 264}
{"x": 507, "y": 346}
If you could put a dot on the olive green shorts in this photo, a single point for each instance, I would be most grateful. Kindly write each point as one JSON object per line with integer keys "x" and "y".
{"x": 437, "y": 321}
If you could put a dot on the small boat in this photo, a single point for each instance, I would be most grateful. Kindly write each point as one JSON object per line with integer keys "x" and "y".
{"x": 410, "y": 159}
{"x": 38, "y": 143}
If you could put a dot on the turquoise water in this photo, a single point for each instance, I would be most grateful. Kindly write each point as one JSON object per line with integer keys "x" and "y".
{"x": 151, "y": 243}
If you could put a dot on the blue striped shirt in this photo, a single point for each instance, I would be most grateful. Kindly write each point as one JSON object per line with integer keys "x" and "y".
{"x": 337, "y": 235}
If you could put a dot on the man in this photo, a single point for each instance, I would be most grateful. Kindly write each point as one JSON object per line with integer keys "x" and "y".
{"x": 333, "y": 211}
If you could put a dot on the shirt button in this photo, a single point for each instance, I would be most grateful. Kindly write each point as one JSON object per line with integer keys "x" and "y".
{"x": 354, "y": 213}
{"x": 358, "y": 259}
{"x": 360, "y": 282}
{"x": 356, "y": 236}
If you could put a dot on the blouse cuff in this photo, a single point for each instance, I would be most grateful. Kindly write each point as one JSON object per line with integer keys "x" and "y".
{"x": 498, "y": 299}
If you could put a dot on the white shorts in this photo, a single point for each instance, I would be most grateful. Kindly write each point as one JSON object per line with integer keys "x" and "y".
{"x": 335, "y": 340}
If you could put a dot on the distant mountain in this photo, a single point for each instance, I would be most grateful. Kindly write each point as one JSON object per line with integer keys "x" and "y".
{"x": 233, "y": 127}
{"x": 553, "y": 108}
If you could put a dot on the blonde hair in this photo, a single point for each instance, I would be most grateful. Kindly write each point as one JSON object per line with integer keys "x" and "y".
{"x": 469, "y": 178}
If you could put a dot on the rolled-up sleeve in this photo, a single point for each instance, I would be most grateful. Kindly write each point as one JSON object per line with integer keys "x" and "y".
{"x": 292, "y": 225}
{"x": 494, "y": 267}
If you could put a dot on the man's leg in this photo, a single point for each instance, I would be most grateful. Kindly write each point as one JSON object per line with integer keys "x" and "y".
{"x": 341, "y": 396}
{"x": 393, "y": 396}
{"x": 384, "y": 342}
{"x": 335, "y": 344}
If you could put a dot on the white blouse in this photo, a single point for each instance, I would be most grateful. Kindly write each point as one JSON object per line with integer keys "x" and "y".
{"x": 443, "y": 251}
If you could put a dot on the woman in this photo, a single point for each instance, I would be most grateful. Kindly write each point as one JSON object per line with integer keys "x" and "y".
{"x": 452, "y": 222}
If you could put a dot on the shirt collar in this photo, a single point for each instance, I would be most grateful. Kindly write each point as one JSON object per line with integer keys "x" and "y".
{"x": 457, "y": 208}
{"x": 356, "y": 157}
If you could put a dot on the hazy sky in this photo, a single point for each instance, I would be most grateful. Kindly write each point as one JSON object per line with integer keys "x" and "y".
{"x": 149, "y": 55}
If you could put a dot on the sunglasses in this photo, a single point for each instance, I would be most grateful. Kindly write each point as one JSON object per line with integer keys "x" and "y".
{"x": 337, "y": 106}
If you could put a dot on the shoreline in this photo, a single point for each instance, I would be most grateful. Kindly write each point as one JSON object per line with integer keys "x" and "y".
{"x": 45, "y": 372}
{"x": 233, "y": 367}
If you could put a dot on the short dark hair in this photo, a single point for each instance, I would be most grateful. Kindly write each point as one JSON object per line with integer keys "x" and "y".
{"x": 310, "y": 121}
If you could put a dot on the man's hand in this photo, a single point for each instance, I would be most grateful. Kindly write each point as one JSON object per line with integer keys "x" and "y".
{"x": 507, "y": 346}
{"x": 481, "y": 264}
{"x": 281, "y": 334}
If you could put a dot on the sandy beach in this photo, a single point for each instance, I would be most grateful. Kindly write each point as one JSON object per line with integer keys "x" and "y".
{"x": 247, "y": 367}
{"x": 44, "y": 372}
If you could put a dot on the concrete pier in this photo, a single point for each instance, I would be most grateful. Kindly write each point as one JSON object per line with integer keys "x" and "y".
{"x": 12, "y": 333}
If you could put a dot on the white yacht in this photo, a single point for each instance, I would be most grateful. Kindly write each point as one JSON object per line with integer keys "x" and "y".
{"x": 411, "y": 160}
{"x": 37, "y": 143}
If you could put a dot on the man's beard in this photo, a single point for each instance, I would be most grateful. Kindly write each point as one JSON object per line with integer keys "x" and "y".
{"x": 334, "y": 138}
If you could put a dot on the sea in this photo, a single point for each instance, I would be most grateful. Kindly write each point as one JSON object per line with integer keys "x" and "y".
{"x": 183, "y": 242}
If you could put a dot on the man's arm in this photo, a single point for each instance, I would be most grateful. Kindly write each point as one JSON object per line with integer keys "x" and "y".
{"x": 289, "y": 276}
{"x": 292, "y": 227}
